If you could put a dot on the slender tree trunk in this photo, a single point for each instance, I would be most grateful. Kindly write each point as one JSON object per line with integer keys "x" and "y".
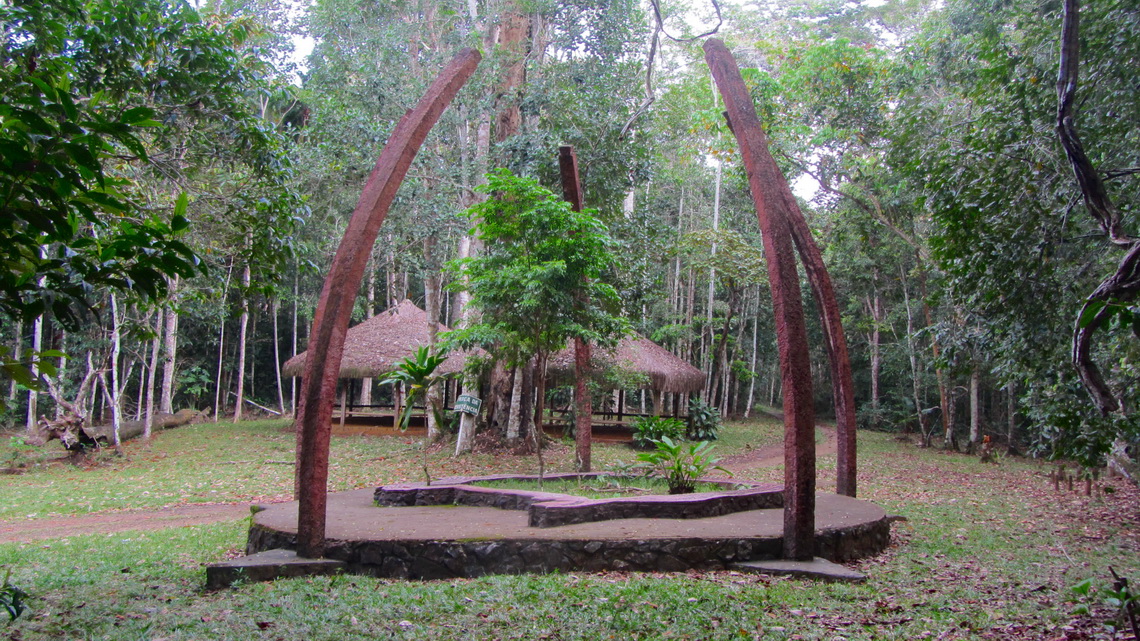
{"x": 469, "y": 246}
{"x": 975, "y": 407}
{"x": 369, "y": 312}
{"x": 515, "y": 416}
{"x": 116, "y": 347}
{"x": 944, "y": 400}
{"x": 752, "y": 361}
{"x": 874, "y": 306}
{"x": 169, "y": 350}
{"x": 431, "y": 301}
{"x": 293, "y": 343}
{"x": 539, "y": 393}
{"x": 583, "y": 406}
{"x": 1011, "y": 417}
{"x": 17, "y": 348}
{"x": 277, "y": 358}
{"x": 152, "y": 372}
{"x": 912, "y": 354}
{"x": 140, "y": 396}
{"x": 950, "y": 441}
{"x": 222, "y": 346}
{"x": 37, "y": 346}
{"x": 466, "y": 437}
{"x": 61, "y": 370}
{"x": 242, "y": 329}
{"x": 707, "y": 356}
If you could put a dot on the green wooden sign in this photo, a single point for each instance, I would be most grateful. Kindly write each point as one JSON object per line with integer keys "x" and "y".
{"x": 468, "y": 404}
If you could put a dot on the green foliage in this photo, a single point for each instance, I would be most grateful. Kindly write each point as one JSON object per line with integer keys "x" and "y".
{"x": 681, "y": 465}
{"x": 1117, "y": 595}
{"x": 66, "y": 117}
{"x": 540, "y": 281}
{"x": 16, "y": 455}
{"x": 417, "y": 373}
{"x": 195, "y": 381}
{"x": 703, "y": 422}
{"x": 648, "y": 430}
{"x": 12, "y": 598}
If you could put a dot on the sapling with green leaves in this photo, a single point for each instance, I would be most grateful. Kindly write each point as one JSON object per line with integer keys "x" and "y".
{"x": 541, "y": 280}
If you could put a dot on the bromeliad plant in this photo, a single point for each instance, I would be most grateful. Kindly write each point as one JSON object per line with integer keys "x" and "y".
{"x": 679, "y": 464}
{"x": 417, "y": 374}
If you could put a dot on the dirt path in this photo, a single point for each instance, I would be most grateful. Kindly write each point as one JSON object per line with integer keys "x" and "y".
{"x": 186, "y": 515}
{"x": 773, "y": 455}
{"x": 108, "y": 522}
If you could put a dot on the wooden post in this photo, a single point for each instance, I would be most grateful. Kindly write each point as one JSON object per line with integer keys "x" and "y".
{"x": 330, "y": 323}
{"x": 583, "y": 406}
{"x": 344, "y": 402}
{"x": 767, "y": 184}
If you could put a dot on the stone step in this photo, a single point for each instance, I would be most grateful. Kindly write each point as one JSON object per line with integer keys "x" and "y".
{"x": 816, "y": 569}
{"x": 267, "y": 566}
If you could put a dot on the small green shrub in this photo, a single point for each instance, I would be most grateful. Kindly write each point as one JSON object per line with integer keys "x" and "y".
{"x": 647, "y": 430}
{"x": 680, "y": 465}
{"x": 703, "y": 423}
{"x": 12, "y": 598}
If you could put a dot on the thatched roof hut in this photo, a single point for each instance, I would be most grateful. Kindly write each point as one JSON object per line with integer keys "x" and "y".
{"x": 375, "y": 347}
{"x": 666, "y": 372}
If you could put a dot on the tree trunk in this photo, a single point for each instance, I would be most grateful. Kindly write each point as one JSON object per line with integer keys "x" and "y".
{"x": 222, "y": 346}
{"x": 975, "y": 407}
{"x": 752, "y": 361}
{"x": 431, "y": 302}
{"x": 875, "y": 307}
{"x": 242, "y": 329}
{"x": 169, "y": 350}
{"x": 583, "y": 406}
{"x": 469, "y": 246}
{"x": 37, "y": 346}
{"x": 17, "y": 348}
{"x": 707, "y": 358}
{"x": 944, "y": 400}
{"x": 912, "y": 354}
{"x": 1011, "y": 417}
{"x": 369, "y": 312}
{"x": 277, "y": 358}
{"x": 116, "y": 347}
{"x": 293, "y": 342}
{"x": 949, "y": 440}
{"x": 512, "y": 43}
{"x": 515, "y": 415}
{"x": 152, "y": 371}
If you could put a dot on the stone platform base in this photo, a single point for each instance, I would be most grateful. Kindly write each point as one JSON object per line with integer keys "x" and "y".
{"x": 439, "y": 542}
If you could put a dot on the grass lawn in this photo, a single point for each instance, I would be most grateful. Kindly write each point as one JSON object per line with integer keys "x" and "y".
{"x": 989, "y": 551}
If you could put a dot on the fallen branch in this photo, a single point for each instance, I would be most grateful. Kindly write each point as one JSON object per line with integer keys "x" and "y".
{"x": 260, "y": 407}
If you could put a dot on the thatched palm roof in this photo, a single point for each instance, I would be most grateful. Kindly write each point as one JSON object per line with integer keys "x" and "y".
{"x": 375, "y": 347}
{"x": 666, "y": 372}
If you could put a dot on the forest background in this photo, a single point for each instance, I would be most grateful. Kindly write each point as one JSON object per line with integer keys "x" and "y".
{"x": 176, "y": 183}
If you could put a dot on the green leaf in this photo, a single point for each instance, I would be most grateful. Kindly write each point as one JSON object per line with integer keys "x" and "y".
{"x": 1092, "y": 308}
